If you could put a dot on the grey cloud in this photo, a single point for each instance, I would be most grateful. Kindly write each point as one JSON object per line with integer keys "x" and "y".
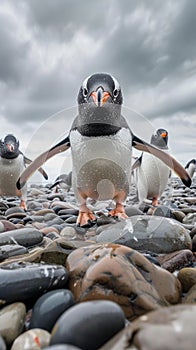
{"x": 182, "y": 42}
{"x": 13, "y": 53}
{"x": 141, "y": 43}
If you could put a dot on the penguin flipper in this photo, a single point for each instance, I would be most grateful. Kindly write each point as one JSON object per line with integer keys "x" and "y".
{"x": 41, "y": 159}
{"x": 55, "y": 184}
{"x": 165, "y": 157}
{"x": 137, "y": 163}
{"x": 41, "y": 170}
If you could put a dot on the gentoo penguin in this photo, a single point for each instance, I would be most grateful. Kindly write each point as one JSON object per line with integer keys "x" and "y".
{"x": 101, "y": 146}
{"x": 151, "y": 173}
{"x": 12, "y": 163}
{"x": 191, "y": 167}
{"x": 63, "y": 181}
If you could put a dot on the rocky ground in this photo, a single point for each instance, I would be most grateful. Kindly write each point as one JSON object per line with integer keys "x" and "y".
{"x": 116, "y": 285}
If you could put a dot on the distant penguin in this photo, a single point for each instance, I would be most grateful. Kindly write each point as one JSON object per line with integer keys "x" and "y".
{"x": 191, "y": 167}
{"x": 101, "y": 144}
{"x": 151, "y": 173}
{"x": 63, "y": 181}
{"x": 12, "y": 163}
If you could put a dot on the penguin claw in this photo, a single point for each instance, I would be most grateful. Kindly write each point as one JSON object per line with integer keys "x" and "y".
{"x": 85, "y": 219}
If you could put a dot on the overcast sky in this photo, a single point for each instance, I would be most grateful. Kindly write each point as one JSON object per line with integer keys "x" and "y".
{"x": 48, "y": 47}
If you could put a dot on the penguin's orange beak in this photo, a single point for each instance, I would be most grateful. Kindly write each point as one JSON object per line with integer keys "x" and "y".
{"x": 163, "y": 134}
{"x": 100, "y": 96}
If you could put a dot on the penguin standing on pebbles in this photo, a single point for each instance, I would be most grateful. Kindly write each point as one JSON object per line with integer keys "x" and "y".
{"x": 191, "y": 167}
{"x": 12, "y": 164}
{"x": 101, "y": 146}
{"x": 151, "y": 173}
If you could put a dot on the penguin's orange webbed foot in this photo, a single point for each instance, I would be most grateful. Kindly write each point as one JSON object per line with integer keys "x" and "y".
{"x": 23, "y": 205}
{"x": 85, "y": 218}
{"x": 119, "y": 212}
{"x": 155, "y": 202}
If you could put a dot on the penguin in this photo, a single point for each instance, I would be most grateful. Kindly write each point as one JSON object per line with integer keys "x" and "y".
{"x": 151, "y": 173}
{"x": 101, "y": 147}
{"x": 191, "y": 167}
{"x": 63, "y": 181}
{"x": 12, "y": 164}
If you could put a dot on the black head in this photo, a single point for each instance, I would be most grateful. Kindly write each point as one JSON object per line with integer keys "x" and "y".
{"x": 9, "y": 147}
{"x": 192, "y": 161}
{"x": 160, "y": 138}
{"x": 99, "y": 105}
{"x": 100, "y": 88}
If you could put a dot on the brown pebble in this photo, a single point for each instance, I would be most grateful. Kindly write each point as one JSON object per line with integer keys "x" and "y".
{"x": 187, "y": 278}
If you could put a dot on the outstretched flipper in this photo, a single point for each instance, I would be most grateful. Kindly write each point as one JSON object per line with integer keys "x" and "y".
{"x": 36, "y": 164}
{"x": 165, "y": 157}
{"x": 41, "y": 170}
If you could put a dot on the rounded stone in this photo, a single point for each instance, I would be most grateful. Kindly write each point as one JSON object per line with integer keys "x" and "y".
{"x": 130, "y": 210}
{"x": 49, "y": 307}
{"x": 176, "y": 260}
{"x": 8, "y": 226}
{"x": 148, "y": 233}
{"x": 12, "y": 318}
{"x": 179, "y": 215}
{"x": 105, "y": 220}
{"x": 33, "y": 339}
{"x": 68, "y": 232}
{"x": 14, "y": 210}
{"x": 163, "y": 211}
{"x": 88, "y": 325}
{"x": 48, "y": 229}
{"x": 25, "y": 236}
{"x": 43, "y": 212}
{"x": 123, "y": 275}
{"x": 190, "y": 297}
{"x": 190, "y": 218}
{"x": 23, "y": 281}
{"x": 170, "y": 328}
{"x": 187, "y": 278}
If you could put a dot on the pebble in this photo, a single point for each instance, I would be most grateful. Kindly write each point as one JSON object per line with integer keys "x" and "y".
{"x": 49, "y": 307}
{"x": 190, "y": 218}
{"x": 167, "y": 328}
{"x": 89, "y": 324}
{"x": 164, "y": 211}
{"x": 68, "y": 232}
{"x": 187, "y": 278}
{"x": 22, "y": 281}
{"x": 26, "y": 237}
{"x": 12, "y": 318}
{"x": 6, "y": 225}
{"x": 176, "y": 260}
{"x": 148, "y": 233}
{"x": 33, "y": 339}
{"x": 8, "y": 250}
{"x": 123, "y": 275}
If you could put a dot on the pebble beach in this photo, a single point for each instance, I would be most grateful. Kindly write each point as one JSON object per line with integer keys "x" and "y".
{"x": 127, "y": 284}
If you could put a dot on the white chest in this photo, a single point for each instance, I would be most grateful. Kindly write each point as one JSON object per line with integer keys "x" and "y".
{"x": 115, "y": 148}
{"x": 10, "y": 170}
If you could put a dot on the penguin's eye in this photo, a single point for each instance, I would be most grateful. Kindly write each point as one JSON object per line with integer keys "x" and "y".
{"x": 115, "y": 92}
{"x": 85, "y": 92}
